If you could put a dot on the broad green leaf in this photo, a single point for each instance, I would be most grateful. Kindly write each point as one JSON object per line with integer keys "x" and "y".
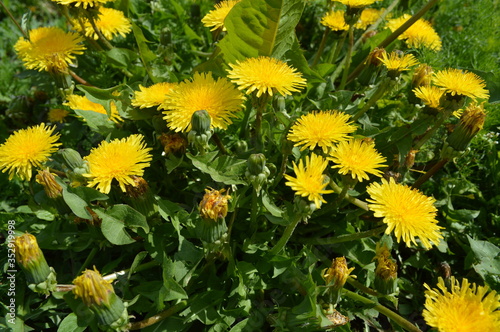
{"x": 487, "y": 255}
{"x": 224, "y": 169}
{"x": 145, "y": 53}
{"x": 76, "y": 204}
{"x": 260, "y": 28}
{"x": 97, "y": 122}
{"x": 70, "y": 324}
{"x": 116, "y": 219}
{"x": 89, "y": 194}
{"x": 121, "y": 57}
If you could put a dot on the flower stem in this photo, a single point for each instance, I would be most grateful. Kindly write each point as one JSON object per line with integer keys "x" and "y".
{"x": 350, "y": 199}
{"x": 405, "y": 324}
{"x": 219, "y": 143}
{"x": 286, "y": 236}
{"x": 430, "y": 173}
{"x": 14, "y": 20}
{"x": 321, "y": 47}
{"x": 444, "y": 116}
{"x": 79, "y": 79}
{"x": 159, "y": 317}
{"x": 393, "y": 36}
{"x": 348, "y": 58}
{"x": 345, "y": 237}
{"x": 382, "y": 88}
{"x": 90, "y": 257}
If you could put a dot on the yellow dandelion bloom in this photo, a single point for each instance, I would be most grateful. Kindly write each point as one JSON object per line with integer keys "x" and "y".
{"x": 335, "y": 20}
{"x": 151, "y": 96}
{"x": 215, "y": 18}
{"x": 219, "y": 98}
{"x": 357, "y": 158}
{"x": 266, "y": 75}
{"x": 368, "y": 17}
{"x": 120, "y": 159}
{"x": 430, "y": 95}
{"x": 82, "y": 103}
{"x": 461, "y": 83}
{"x": 323, "y": 128}
{"x": 83, "y": 3}
{"x": 27, "y": 148}
{"x": 110, "y": 22}
{"x": 57, "y": 115}
{"x": 357, "y": 3}
{"x": 398, "y": 62}
{"x": 406, "y": 211}
{"x": 310, "y": 181}
{"x": 461, "y": 308}
{"x": 92, "y": 288}
{"x": 49, "y": 49}
{"x": 420, "y": 34}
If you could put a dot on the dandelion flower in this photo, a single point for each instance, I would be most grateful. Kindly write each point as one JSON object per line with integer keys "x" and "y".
{"x": 461, "y": 308}
{"x": 110, "y": 22}
{"x": 310, "y": 181}
{"x": 368, "y": 17}
{"x": 420, "y": 34}
{"x": 27, "y": 148}
{"x": 57, "y": 115}
{"x": 266, "y": 75}
{"x": 335, "y": 20}
{"x": 82, "y": 103}
{"x": 151, "y": 96}
{"x": 461, "y": 83}
{"x": 357, "y": 3}
{"x": 323, "y": 128}
{"x": 398, "y": 62}
{"x": 215, "y": 18}
{"x": 50, "y": 49}
{"x": 121, "y": 159}
{"x": 430, "y": 95}
{"x": 406, "y": 211}
{"x": 83, "y": 3}
{"x": 219, "y": 98}
{"x": 357, "y": 158}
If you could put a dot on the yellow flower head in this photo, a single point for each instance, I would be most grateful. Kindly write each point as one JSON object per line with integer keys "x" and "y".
{"x": 335, "y": 20}
{"x": 92, "y": 288}
{"x": 83, "y": 3}
{"x": 398, "y": 62}
{"x": 151, "y": 96}
{"x": 76, "y": 102}
{"x": 27, "y": 148}
{"x": 310, "y": 181}
{"x": 420, "y": 34}
{"x": 57, "y": 115}
{"x": 406, "y": 211}
{"x": 50, "y": 49}
{"x": 120, "y": 159}
{"x": 430, "y": 95}
{"x": 28, "y": 253}
{"x": 357, "y": 158}
{"x": 215, "y": 18}
{"x": 461, "y": 83}
{"x": 322, "y": 128}
{"x": 357, "y": 3}
{"x": 218, "y": 97}
{"x": 461, "y": 308}
{"x": 49, "y": 183}
{"x": 368, "y": 17}
{"x": 213, "y": 206}
{"x": 110, "y": 22}
{"x": 266, "y": 75}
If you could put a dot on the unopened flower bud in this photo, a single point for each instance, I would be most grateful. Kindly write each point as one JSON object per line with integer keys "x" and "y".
{"x": 71, "y": 158}
{"x": 373, "y": 57}
{"x": 41, "y": 278}
{"x": 257, "y": 172}
{"x": 49, "y": 183}
{"x": 336, "y": 276}
{"x": 201, "y": 121}
{"x": 139, "y": 189}
{"x": 471, "y": 122}
{"x": 385, "y": 272}
{"x": 213, "y": 209}
{"x": 99, "y": 295}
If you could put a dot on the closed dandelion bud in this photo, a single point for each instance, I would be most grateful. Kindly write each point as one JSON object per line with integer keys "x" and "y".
{"x": 41, "y": 278}
{"x": 48, "y": 181}
{"x": 386, "y": 276}
{"x": 173, "y": 143}
{"x": 422, "y": 76}
{"x": 213, "y": 210}
{"x": 257, "y": 172}
{"x": 71, "y": 158}
{"x": 335, "y": 277}
{"x": 241, "y": 147}
{"x": 471, "y": 122}
{"x": 201, "y": 121}
{"x": 410, "y": 159}
{"x": 99, "y": 295}
{"x": 139, "y": 189}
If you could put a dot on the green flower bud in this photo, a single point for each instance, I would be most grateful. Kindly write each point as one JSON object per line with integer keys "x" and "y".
{"x": 471, "y": 122}
{"x": 201, "y": 121}
{"x": 71, "y": 158}
{"x": 41, "y": 278}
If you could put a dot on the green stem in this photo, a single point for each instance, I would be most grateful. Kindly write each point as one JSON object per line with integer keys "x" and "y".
{"x": 430, "y": 173}
{"x": 444, "y": 116}
{"x": 103, "y": 39}
{"x": 383, "y": 310}
{"x": 381, "y": 90}
{"x": 141, "y": 267}
{"x": 158, "y": 317}
{"x": 348, "y": 58}
{"x": 321, "y": 47}
{"x": 14, "y": 20}
{"x": 253, "y": 212}
{"x": 90, "y": 257}
{"x": 345, "y": 237}
{"x": 338, "y": 47}
{"x": 261, "y": 105}
{"x": 393, "y": 36}
{"x": 79, "y": 79}
{"x": 350, "y": 199}
{"x": 219, "y": 143}
{"x": 286, "y": 236}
